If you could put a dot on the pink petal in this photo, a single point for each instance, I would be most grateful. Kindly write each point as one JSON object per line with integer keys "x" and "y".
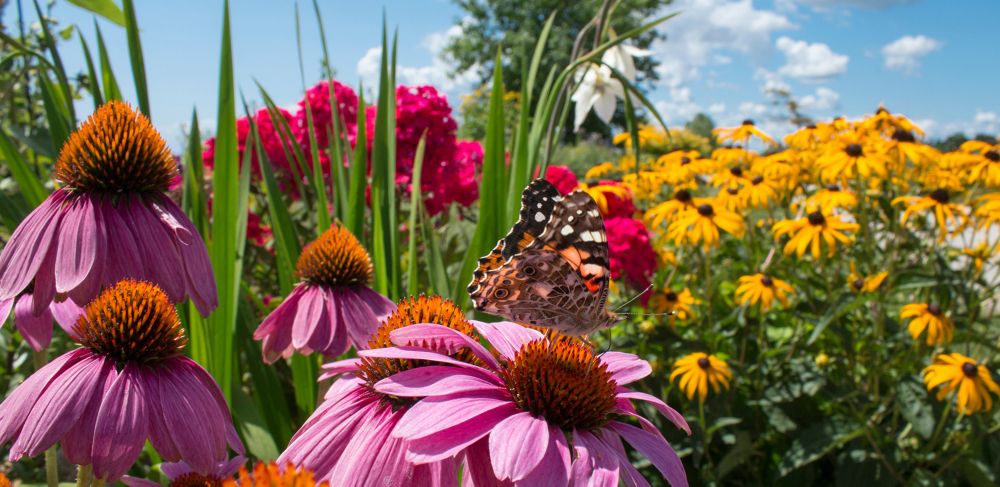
{"x": 192, "y": 418}
{"x": 507, "y": 337}
{"x": 478, "y": 469}
{"x": 656, "y": 449}
{"x": 517, "y": 445}
{"x": 309, "y": 318}
{"x": 80, "y": 244}
{"x": 413, "y": 353}
{"x": 630, "y": 476}
{"x": 441, "y": 339}
{"x": 359, "y": 319}
{"x": 320, "y": 442}
{"x": 337, "y": 343}
{"x": 276, "y": 329}
{"x": 197, "y": 266}
{"x": 382, "y": 462}
{"x": 66, "y": 313}
{"x": 209, "y": 385}
{"x": 554, "y": 469}
{"x": 29, "y": 244}
{"x": 78, "y": 442}
{"x": 380, "y": 305}
{"x": 161, "y": 258}
{"x": 625, "y": 367}
{"x": 123, "y": 257}
{"x": 44, "y": 286}
{"x": 60, "y": 405}
{"x": 437, "y": 380}
{"x": 448, "y": 428}
{"x": 333, "y": 369}
{"x": 596, "y": 464}
{"x": 671, "y": 413}
{"x": 36, "y": 330}
{"x": 5, "y": 306}
{"x": 15, "y": 408}
{"x": 135, "y": 482}
{"x": 159, "y": 432}
{"x": 122, "y": 426}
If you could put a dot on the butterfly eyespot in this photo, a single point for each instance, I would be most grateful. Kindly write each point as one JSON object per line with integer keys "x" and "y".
{"x": 529, "y": 271}
{"x": 501, "y": 293}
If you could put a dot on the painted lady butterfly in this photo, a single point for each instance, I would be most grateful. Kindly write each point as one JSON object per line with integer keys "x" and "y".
{"x": 551, "y": 270}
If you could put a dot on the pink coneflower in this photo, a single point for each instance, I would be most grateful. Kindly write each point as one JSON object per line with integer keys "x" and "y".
{"x": 110, "y": 220}
{"x": 128, "y": 383}
{"x": 533, "y": 412}
{"x": 332, "y": 308}
{"x": 348, "y": 438}
{"x": 36, "y": 327}
{"x": 181, "y": 474}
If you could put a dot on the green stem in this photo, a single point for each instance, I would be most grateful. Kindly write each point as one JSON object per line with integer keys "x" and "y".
{"x": 51, "y": 457}
{"x": 84, "y": 474}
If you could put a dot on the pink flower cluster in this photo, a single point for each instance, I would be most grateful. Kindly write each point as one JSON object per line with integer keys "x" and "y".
{"x": 562, "y": 178}
{"x": 631, "y": 253}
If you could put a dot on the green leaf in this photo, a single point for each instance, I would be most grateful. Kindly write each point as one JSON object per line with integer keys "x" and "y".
{"x": 416, "y": 206}
{"x": 975, "y": 472}
{"x": 816, "y": 442}
{"x": 195, "y": 198}
{"x": 316, "y": 175}
{"x": 383, "y": 185}
{"x": 354, "y": 214}
{"x": 58, "y": 69}
{"x": 103, "y": 8}
{"x": 135, "y": 56}
{"x": 265, "y": 391}
{"x": 59, "y": 121}
{"x": 844, "y": 305}
{"x": 440, "y": 282}
{"x": 30, "y": 186}
{"x": 492, "y": 207}
{"x": 741, "y": 451}
{"x": 93, "y": 82}
{"x": 912, "y": 400}
{"x": 111, "y": 90}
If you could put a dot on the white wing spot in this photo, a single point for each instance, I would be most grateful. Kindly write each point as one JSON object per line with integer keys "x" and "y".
{"x": 571, "y": 218}
{"x": 539, "y": 217}
{"x": 566, "y": 230}
{"x": 593, "y": 213}
{"x": 579, "y": 212}
{"x": 539, "y": 205}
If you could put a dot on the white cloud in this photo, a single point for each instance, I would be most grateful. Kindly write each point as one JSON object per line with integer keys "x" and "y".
{"x": 680, "y": 107}
{"x": 823, "y": 100}
{"x": 771, "y": 83}
{"x": 705, "y": 27}
{"x": 810, "y": 61}
{"x": 830, "y": 4}
{"x": 987, "y": 122}
{"x": 436, "y": 73}
{"x": 904, "y": 53}
{"x": 717, "y": 108}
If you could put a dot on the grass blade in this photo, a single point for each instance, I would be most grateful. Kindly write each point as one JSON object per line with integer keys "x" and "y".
{"x": 135, "y": 56}
{"x": 93, "y": 82}
{"x": 416, "y": 206}
{"x": 60, "y": 124}
{"x": 195, "y": 198}
{"x": 316, "y": 175}
{"x": 383, "y": 177}
{"x": 104, "y": 8}
{"x": 358, "y": 172}
{"x": 27, "y": 182}
{"x": 108, "y": 81}
{"x": 58, "y": 69}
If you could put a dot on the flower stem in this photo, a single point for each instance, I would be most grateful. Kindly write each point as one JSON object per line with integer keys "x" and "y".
{"x": 83, "y": 475}
{"x": 41, "y": 358}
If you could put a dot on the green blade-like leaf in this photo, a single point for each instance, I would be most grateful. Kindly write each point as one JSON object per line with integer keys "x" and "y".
{"x": 289, "y": 145}
{"x": 93, "y": 82}
{"x": 58, "y": 118}
{"x": 195, "y": 198}
{"x": 355, "y": 211}
{"x": 316, "y": 174}
{"x": 383, "y": 179}
{"x": 58, "y": 69}
{"x": 31, "y": 187}
{"x": 104, "y": 8}
{"x": 135, "y": 56}
{"x": 436, "y": 269}
{"x": 492, "y": 206}
{"x": 416, "y": 206}
{"x": 108, "y": 81}
{"x": 266, "y": 392}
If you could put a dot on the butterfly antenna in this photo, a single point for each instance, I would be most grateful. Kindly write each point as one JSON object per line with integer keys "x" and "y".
{"x": 668, "y": 313}
{"x": 637, "y": 296}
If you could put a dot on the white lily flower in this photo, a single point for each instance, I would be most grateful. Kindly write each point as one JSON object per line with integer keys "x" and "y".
{"x": 620, "y": 58}
{"x": 597, "y": 89}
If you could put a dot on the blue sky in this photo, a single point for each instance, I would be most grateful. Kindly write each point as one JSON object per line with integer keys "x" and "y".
{"x": 838, "y": 57}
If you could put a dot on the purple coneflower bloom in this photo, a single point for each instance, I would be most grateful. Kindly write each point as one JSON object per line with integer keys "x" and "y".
{"x": 348, "y": 440}
{"x": 539, "y": 412}
{"x": 332, "y": 308}
{"x": 110, "y": 220}
{"x": 128, "y": 383}
{"x": 36, "y": 328}
{"x": 181, "y": 474}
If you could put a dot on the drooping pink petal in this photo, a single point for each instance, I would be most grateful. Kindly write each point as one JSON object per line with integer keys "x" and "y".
{"x": 60, "y": 405}
{"x": 517, "y": 445}
{"x": 675, "y": 417}
{"x": 382, "y": 461}
{"x": 506, "y": 337}
{"x": 80, "y": 243}
{"x": 5, "y": 306}
{"x": 159, "y": 432}
{"x": 477, "y": 467}
{"x": 44, "y": 286}
{"x": 554, "y": 469}
{"x": 442, "y": 339}
{"x": 123, "y": 257}
{"x": 15, "y": 408}
{"x": 77, "y": 442}
{"x": 596, "y": 464}
{"x": 359, "y": 319}
{"x": 656, "y": 449}
{"x": 198, "y": 267}
{"x": 443, "y": 473}
{"x": 159, "y": 254}
{"x": 209, "y": 385}
{"x": 380, "y": 305}
{"x": 276, "y": 329}
{"x": 320, "y": 442}
{"x": 337, "y": 343}
{"x": 451, "y": 428}
{"x": 36, "y": 329}
{"x": 309, "y": 318}
{"x": 438, "y": 380}
{"x": 66, "y": 314}
{"x": 625, "y": 367}
{"x": 333, "y": 369}
{"x": 192, "y": 419}
{"x": 29, "y": 244}
{"x": 122, "y": 426}
{"x": 630, "y": 476}
{"x": 413, "y": 353}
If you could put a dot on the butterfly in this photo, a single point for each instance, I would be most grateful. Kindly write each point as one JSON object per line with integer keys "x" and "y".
{"x": 551, "y": 270}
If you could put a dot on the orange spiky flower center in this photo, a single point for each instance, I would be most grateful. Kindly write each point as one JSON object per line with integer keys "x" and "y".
{"x": 196, "y": 480}
{"x": 132, "y": 322}
{"x": 271, "y": 475}
{"x": 563, "y": 382}
{"x": 410, "y": 311}
{"x": 335, "y": 259}
{"x": 116, "y": 150}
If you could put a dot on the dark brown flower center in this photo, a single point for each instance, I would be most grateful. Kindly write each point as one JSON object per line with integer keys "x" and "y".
{"x": 132, "y": 321}
{"x": 683, "y": 196}
{"x": 816, "y": 218}
{"x": 858, "y": 283}
{"x": 671, "y": 296}
{"x": 748, "y": 122}
{"x": 736, "y": 171}
{"x": 685, "y": 160}
{"x": 410, "y": 311}
{"x": 704, "y": 363}
{"x": 970, "y": 370}
{"x": 733, "y": 191}
{"x": 881, "y": 110}
{"x": 196, "y": 480}
{"x": 900, "y": 135}
{"x": 853, "y": 150}
{"x": 116, "y": 150}
{"x": 757, "y": 180}
{"x": 563, "y": 382}
{"x": 336, "y": 258}
{"x": 811, "y": 126}
{"x": 992, "y": 156}
{"x": 706, "y": 210}
{"x": 832, "y": 187}
{"x": 934, "y": 309}
{"x": 940, "y": 195}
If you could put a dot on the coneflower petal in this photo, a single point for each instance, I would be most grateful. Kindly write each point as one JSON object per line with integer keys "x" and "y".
{"x": 197, "y": 266}
{"x": 122, "y": 425}
{"x": 78, "y": 243}
{"x": 28, "y": 246}
{"x": 517, "y": 445}
{"x": 454, "y": 427}
{"x": 308, "y": 316}
{"x": 15, "y": 408}
{"x": 36, "y": 329}
{"x": 656, "y": 449}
